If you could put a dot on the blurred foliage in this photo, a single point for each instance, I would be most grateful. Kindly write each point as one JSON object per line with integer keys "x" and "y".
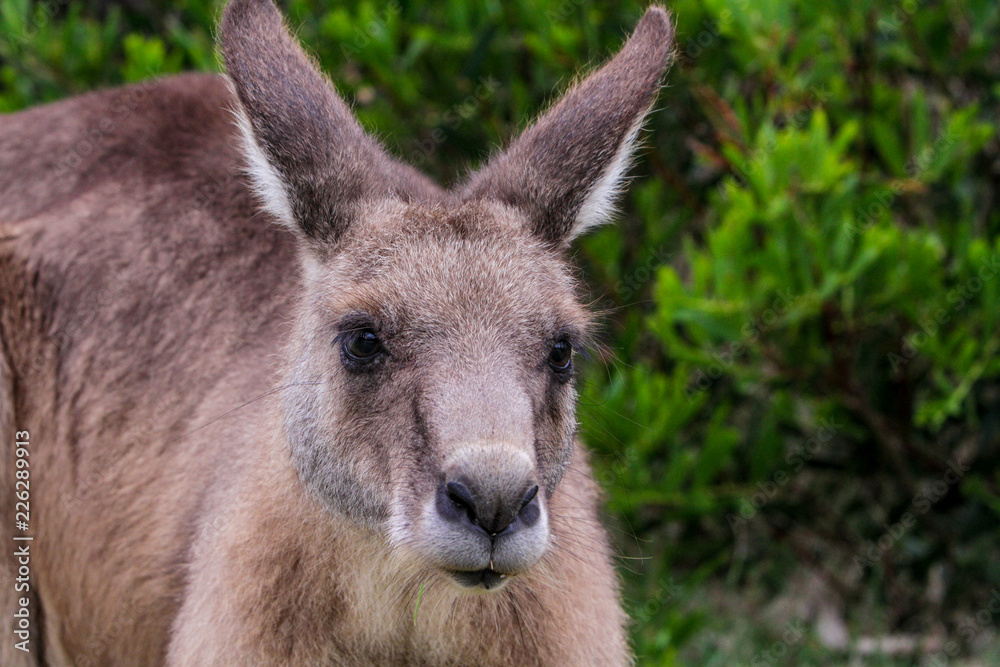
{"x": 802, "y": 294}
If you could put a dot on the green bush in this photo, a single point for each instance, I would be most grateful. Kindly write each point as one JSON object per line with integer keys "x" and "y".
{"x": 802, "y": 294}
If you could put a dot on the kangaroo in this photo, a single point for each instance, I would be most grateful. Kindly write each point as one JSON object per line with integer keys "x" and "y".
{"x": 282, "y": 399}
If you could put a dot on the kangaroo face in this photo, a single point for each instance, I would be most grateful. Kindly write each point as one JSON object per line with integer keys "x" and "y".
{"x": 430, "y": 392}
{"x": 434, "y": 395}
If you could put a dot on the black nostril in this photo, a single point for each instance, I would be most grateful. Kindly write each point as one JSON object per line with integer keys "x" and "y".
{"x": 495, "y": 512}
{"x": 529, "y": 511}
{"x": 528, "y": 497}
{"x": 460, "y": 495}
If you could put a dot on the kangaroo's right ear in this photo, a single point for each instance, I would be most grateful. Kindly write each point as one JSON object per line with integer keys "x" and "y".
{"x": 310, "y": 161}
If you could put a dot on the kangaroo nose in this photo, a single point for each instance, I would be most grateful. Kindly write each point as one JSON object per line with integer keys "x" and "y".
{"x": 495, "y": 511}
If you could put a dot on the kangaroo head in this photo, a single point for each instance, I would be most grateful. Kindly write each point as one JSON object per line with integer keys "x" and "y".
{"x": 431, "y": 375}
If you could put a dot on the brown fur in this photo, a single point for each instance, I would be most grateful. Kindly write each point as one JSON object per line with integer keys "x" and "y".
{"x": 210, "y": 484}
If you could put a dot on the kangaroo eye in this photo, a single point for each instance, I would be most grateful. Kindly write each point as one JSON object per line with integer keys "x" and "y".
{"x": 362, "y": 346}
{"x": 561, "y": 356}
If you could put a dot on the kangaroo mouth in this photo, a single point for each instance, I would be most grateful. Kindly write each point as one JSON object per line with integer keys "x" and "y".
{"x": 488, "y": 579}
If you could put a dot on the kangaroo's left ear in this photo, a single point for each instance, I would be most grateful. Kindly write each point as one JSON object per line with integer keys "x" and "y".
{"x": 565, "y": 171}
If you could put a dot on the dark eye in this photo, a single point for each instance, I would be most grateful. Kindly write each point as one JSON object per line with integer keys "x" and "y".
{"x": 561, "y": 356}
{"x": 362, "y": 346}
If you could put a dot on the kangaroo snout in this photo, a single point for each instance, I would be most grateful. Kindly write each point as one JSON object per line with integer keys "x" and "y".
{"x": 489, "y": 519}
{"x": 483, "y": 507}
